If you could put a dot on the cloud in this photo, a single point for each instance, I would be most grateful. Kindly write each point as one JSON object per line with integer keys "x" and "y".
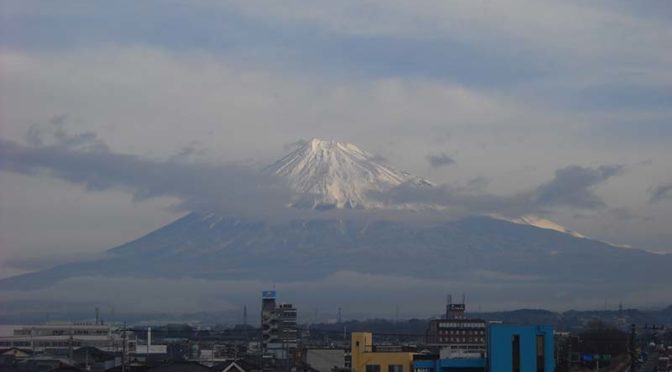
{"x": 56, "y": 133}
{"x": 660, "y": 193}
{"x": 243, "y": 191}
{"x": 623, "y": 214}
{"x": 439, "y": 160}
{"x": 200, "y": 186}
{"x": 294, "y": 145}
{"x": 574, "y": 186}
{"x": 478, "y": 183}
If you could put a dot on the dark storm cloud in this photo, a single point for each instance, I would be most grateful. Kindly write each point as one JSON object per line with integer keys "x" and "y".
{"x": 661, "y": 192}
{"x": 439, "y": 160}
{"x": 199, "y": 186}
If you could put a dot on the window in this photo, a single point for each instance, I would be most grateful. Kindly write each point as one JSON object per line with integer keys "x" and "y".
{"x": 395, "y": 368}
{"x": 515, "y": 353}
{"x": 372, "y": 368}
{"x": 541, "y": 356}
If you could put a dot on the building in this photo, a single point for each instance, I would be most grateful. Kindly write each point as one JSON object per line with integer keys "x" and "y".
{"x": 450, "y": 365}
{"x": 456, "y": 335}
{"x": 366, "y": 357}
{"x": 64, "y": 337}
{"x": 279, "y": 334}
{"x": 510, "y": 348}
{"x": 513, "y": 348}
{"x": 325, "y": 360}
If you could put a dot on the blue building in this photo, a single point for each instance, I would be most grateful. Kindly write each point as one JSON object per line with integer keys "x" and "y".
{"x": 511, "y": 348}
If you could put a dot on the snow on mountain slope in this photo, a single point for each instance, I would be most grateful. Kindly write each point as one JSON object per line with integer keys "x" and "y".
{"x": 539, "y": 222}
{"x": 337, "y": 174}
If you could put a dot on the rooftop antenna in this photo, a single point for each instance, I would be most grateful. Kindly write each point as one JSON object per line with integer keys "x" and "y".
{"x": 449, "y": 301}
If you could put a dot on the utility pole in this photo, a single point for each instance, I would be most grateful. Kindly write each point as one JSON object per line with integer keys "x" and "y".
{"x": 32, "y": 342}
{"x": 633, "y": 334}
{"x": 123, "y": 349}
{"x": 70, "y": 351}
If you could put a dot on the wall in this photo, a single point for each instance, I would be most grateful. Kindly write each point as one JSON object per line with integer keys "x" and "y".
{"x": 500, "y": 350}
{"x": 363, "y": 354}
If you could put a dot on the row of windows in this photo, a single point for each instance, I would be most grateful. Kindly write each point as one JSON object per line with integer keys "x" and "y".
{"x": 462, "y": 325}
{"x": 390, "y": 368}
{"x": 462, "y": 332}
{"x": 461, "y": 339}
{"x": 59, "y": 332}
{"x": 53, "y": 343}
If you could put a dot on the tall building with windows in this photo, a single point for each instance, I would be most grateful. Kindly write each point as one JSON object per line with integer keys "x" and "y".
{"x": 279, "y": 334}
{"x": 455, "y": 334}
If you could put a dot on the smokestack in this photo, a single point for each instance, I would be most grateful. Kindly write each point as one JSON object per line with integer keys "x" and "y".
{"x": 149, "y": 338}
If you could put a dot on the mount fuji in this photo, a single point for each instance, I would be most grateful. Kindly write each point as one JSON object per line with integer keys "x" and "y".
{"x": 330, "y": 174}
{"x": 483, "y": 250}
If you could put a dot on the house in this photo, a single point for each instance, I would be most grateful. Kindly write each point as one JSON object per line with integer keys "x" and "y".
{"x": 237, "y": 365}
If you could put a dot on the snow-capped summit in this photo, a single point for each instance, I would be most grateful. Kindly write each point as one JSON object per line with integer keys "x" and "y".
{"x": 337, "y": 174}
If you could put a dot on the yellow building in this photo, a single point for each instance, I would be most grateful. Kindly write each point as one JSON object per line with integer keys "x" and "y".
{"x": 365, "y": 357}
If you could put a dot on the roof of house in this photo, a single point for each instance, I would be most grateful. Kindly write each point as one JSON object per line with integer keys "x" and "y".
{"x": 185, "y": 366}
{"x": 236, "y": 365}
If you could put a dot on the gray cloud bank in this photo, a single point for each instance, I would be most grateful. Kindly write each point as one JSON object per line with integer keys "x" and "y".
{"x": 571, "y": 187}
{"x": 440, "y": 160}
{"x": 199, "y": 186}
{"x": 84, "y": 159}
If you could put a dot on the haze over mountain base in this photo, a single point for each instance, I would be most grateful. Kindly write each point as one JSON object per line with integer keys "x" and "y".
{"x": 357, "y": 250}
{"x": 205, "y": 264}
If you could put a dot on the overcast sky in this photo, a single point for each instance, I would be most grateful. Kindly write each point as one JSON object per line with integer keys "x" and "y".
{"x": 508, "y": 97}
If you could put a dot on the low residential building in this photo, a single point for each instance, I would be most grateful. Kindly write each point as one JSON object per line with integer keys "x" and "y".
{"x": 366, "y": 357}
